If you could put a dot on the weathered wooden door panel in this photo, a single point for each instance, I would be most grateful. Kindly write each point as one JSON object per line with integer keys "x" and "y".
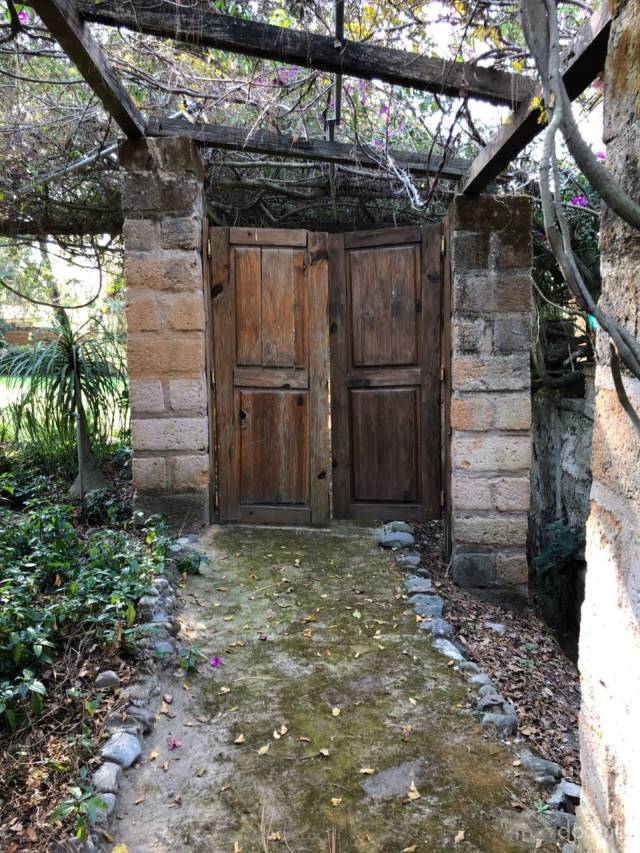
{"x": 384, "y": 429}
{"x": 385, "y": 291}
{"x": 269, "y": 298}
{"x": 274, "y": 447}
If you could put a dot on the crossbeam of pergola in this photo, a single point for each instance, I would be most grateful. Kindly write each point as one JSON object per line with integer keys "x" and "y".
{"x": 583, "y": 60}
{"x": 62, "y": 19}
{"x": 200, "y": 24}
{"x": 275, "y": 144}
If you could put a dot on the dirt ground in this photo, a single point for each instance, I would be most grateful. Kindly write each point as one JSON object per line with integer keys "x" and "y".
{"x": 329, "y": 723}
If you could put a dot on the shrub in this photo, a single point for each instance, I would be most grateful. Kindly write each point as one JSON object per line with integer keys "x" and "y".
{"x": 55, "y": 583}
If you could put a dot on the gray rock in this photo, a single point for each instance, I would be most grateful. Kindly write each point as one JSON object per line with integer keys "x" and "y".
{"x": 106, "y": 779}
{"x": 481, "y": 679}
{"x": 152, "y": 591}
{"x": 398, "y": 527}
{"x": 410, "y": 561}
{"x": 497, "y": 627}
{"x": 174, "y": 626}
{"x": 110, "y": 802}
{"x": 75, "y": 845}
{"x": 144, "y": 716}
{"x": 394, "y": 782}
{"x": 107, "y": 680}
{"x": 164, "y": 648}
{"x": 545, "y": 780}
{"x": 491, "y": 703}
{"x": 414, "y": 584}
{"x": 539, "y": 766}
{"x": 122, "y": 748}
{"x": 560, "y": 820}
{"x": 428, "y": 606}
{"x": 486, "y": 689}
{"x": 503, "y": 724}
{"x": 468, "y": 667}
{"x": 437, "y": 628}
{"x": 115, "y": 723}
{"x": 447, "y": 648}
{"x": 571, "y": 790}
{"x": 396, "y": 540}
{"x": 161, "y": 584}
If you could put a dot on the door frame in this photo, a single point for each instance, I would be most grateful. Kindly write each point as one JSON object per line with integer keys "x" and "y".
{"x": 429, "y": 237}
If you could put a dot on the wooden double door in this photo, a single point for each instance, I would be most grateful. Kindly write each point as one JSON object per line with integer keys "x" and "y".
{"x": 292, "y": 309}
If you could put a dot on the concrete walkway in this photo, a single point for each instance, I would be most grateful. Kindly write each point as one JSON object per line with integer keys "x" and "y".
{"x": 330, "y": 724}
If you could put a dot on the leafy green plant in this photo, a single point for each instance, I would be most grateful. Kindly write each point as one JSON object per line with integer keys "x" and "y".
{"x": 563, "y": 544}
{"x": 53, "y": 582}
{"x": 189, "y": 658}
{"x": 81, "y": 806}
{"x": 79, "y": 374}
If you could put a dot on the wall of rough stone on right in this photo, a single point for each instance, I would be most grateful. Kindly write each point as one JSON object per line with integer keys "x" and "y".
{"x": 609, "y": 657}
{"x": 561, "y": 432}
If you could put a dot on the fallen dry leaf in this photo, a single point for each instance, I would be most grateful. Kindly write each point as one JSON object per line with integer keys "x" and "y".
{"x": 411, "y": 849}
{"x": 274, "y": 836}
{"x": 366, "y": 771}
{"x": 335, "y": 801}
{"x": 324, "y": 751}
{"x": 335, "y": 712}
{"x": 240, "y": 739}
{"x": 459, "y": 837}
{"x": 412, "y": 794}
{"x": 263, "y": 750}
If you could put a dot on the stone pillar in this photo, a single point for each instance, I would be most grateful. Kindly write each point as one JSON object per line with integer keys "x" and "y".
{"x": 490, "y": 416}
{"x": 162, "y": 198}
{"x": 609, "y": 658}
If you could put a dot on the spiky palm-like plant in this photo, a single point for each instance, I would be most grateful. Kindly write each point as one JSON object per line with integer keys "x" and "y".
{"x": 78, "y": 373}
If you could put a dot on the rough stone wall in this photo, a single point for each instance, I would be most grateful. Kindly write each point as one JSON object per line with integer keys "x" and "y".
{"x": 609, "y": 655}
{"x": 562, "y": 427}
{"x": 490, "y": 257}
{"x": 163, "y": 207}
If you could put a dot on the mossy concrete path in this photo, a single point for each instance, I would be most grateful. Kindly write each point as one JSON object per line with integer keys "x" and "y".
{"x": 330, "y": 725}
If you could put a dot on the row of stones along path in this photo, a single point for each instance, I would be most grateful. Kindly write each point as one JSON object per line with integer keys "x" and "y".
{"x": 331, "y": 723}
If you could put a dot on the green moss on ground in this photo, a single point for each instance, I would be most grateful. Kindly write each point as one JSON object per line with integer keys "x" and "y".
{"x": 339, "y": 634}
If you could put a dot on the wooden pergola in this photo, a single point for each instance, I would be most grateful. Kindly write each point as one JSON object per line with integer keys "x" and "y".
{"x": 199, "y": 25}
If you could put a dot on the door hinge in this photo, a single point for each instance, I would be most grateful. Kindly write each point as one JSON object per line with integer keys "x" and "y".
{"x": 442, "y": 498}
{"x": 442, "y": 245}
{"x": 209, "y": 247}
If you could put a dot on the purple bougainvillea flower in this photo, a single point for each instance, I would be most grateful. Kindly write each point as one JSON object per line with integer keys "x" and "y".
{"x": 384, "y": 109}
{"x": 579, "y": 201}
{"x": 23, "y": 17}
{"x": 215, "y": 661}
{"x": 173, "y": 743}
{"x": 601, "y": 155}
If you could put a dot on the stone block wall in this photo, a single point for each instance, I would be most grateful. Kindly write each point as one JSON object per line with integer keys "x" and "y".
{"x": 165, "y": 311}
{"x": 609, "y": 655}
{"x": 489, "y": 241}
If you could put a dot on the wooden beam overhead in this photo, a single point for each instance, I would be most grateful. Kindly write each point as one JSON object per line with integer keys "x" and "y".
{"x": 199, "y": 23}
{"x": 582, "y": 62}
{"x": 235, "y": 139}
{"x": 65, "y": 24}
